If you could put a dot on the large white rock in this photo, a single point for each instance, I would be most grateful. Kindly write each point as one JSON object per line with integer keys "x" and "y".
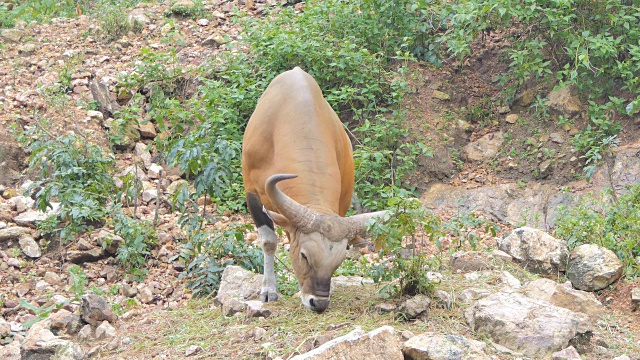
{"x": 433, "y": 346}
{"x": 536, "y": 250}
{"x": 524, "y": 325}
{"x": 240, "y": 283}
{"x": 593, "y": 268}
{"x": 564, "y": 295}
{"x": 379, "y": 344}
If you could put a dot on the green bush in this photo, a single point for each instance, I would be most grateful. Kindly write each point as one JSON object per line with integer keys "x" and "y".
{"x": 609, "y": 221}
{"x": 207, "y": 254}
{"x": 592, "y": 45}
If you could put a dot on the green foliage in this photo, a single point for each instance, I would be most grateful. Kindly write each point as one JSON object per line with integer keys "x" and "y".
{"x": 138, "y": 235}
{"x": 609, "y": 221}
{"x": 406, "y": 219}
{"x": 207, "y": 254}
{"x": 78, "y": 281}
{"x": 593, "y": 46}
{"x": 45, "y": 10}
{"x": 193, "y": 11}
{"x": 114, "y": 23}
{"x": 73, "y": 172}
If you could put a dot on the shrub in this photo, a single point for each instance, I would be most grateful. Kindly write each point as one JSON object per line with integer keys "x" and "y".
{"x": 609, "y": 221}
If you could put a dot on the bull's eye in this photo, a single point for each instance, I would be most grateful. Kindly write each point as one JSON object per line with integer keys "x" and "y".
{"x": 304, "y": 257}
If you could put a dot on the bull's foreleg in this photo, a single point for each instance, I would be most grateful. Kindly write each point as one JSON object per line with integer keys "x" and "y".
{"x": 269, "y": 242}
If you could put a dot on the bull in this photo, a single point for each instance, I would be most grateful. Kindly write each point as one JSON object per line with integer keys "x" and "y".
{"x": 297, "y": 164}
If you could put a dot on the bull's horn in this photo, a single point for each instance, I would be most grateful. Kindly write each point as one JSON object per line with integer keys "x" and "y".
{"x": 299, "y": 215}
{"x": 358, "y": 223}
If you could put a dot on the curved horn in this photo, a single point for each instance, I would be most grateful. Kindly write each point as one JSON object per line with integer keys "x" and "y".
{"x": 358, "y": 223}
{"x": 299, "y": 215}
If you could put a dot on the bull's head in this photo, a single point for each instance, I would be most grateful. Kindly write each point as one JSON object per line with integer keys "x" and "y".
{"x": 318, "y": 242}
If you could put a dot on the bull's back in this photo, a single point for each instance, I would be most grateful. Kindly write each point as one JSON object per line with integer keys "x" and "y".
{"x": 294, "y": 130}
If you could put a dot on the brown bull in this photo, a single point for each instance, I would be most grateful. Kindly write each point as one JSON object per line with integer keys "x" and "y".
{"x": 294, "y": 135}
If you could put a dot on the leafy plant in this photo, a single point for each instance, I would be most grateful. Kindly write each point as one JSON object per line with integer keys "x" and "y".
{"x": 396, "y": 233}
{"x": 207, "y": 254}
{"x": 607, "y": 220}
{"x": 78, "y": 281}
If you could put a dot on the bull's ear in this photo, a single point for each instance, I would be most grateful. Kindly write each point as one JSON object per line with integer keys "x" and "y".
{"x": 279, "y": 219}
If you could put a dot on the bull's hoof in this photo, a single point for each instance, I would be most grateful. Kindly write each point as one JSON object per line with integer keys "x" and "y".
{"x": 268, "y": 296}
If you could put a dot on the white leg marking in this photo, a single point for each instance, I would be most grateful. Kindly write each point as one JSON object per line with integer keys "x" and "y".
{"x": 269, "y": 242}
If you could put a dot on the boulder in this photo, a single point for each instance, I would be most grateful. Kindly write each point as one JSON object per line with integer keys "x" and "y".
{"x": 532, "y": 327}
{"x": 109, "y": 241}
{"x": 65, "y": 322}
{"x": 564, "y": 100}
{"x": 256, "y": 308}
{"x": 11, "y": 351}
{"x": 29, "y": 246}
{"x": 462, "y": 261}
{"x": 593, "y": 268}
{"x": 13, "y": 233}
{"x": 565, "y": 296}
{"x": 379, "y": 344}
{"x": 484, "y": 148}
{"x": 433, "y": 346}
{"x": 415, "y": 307}
{"x": 95, "y": 310}
{"x": 240, "y": 283}
{"x": 535, "y": 250}
{"x": 569, "y": 353}
{"x": 105, "y": 331}
{"x": 81, "y": 257}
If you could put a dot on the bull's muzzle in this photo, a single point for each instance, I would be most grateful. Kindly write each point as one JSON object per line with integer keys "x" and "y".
{"x": 318, "y": 305}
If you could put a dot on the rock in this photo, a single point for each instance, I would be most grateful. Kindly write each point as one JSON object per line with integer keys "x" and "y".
{"x": 565, "y": 296}
{"x": 535, "y": 250}
{"x": 203, "y": 22}
{"x": 95, "y": 310}
{"x": 259, "y": 333}
{"x": 13, "y": 233}
{"x": 129, "y": 290}
{"x": 137, "y": 17}
{"x": 182, "y": 5}
{"x": 442, "y": 299}
{"x": 510, "y": 281}
{"x": 240, "y": 283}
{"x": 379, "y": 344}
{"x": 29, "y": 246}
{"x": 469, "y": 261}
{"x": 22, "y": 203}
{"x": 230, "y": 305}
{"x": 415, "y": 307}
{"x": 27, "y": 49}
{"x": 255, "y": 308}
{"x": 556, "y": 137}
{"x": 512, "y": 118}
{"x": 147, "y": 130}
{"x": 86, "y": 332}
{"x": 214, "y": 41}
{"x": 141, "y": 151}
{"x": 432, "y": 346}
{"x": 137, "y": 171}
{"x": 193, "y": 350}
{"x": 105, "y": 331}
{"x": 501, "y": 256}
{"x": 569, "y": 353}
{"x": 484, "y": 148}
{"x": 11, "y": 35}
{"x": 564, "y": 100}
{"x": 109, "y": 241}
{"x": 11, "y": 351}
{"x": 145, "y": 294}
{"x": 525, "y": 98}
{"x": 65, "y": 322}
{"x": 154, "y": 171}
{"x": 9, "y": 193}
{"x": 635, "y": 298}
{"x": 13, "y": 262}
{"x": 528, "y": 326}
{"x": 468, "y": 295}
{"x": 545, "y": 168}
{"x": 149, "y": 195}
{"x": 440, "y": 95}
{"x": 176, "y": 185}
{"x": 30, "y": 218}
{"x": 5, "y": 328}
{"x": 384, "y": 308}
{"x": 81, "y": 257}
{"x": 349, "y": 281}
{"x": 102, "y": 96}
{"x": 593, "y": 268}
{"x": 40, "y": 343}
{"x": 84, "y": 245}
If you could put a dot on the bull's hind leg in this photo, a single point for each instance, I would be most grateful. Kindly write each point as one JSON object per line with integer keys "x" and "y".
{"x": 269, "y": 241}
